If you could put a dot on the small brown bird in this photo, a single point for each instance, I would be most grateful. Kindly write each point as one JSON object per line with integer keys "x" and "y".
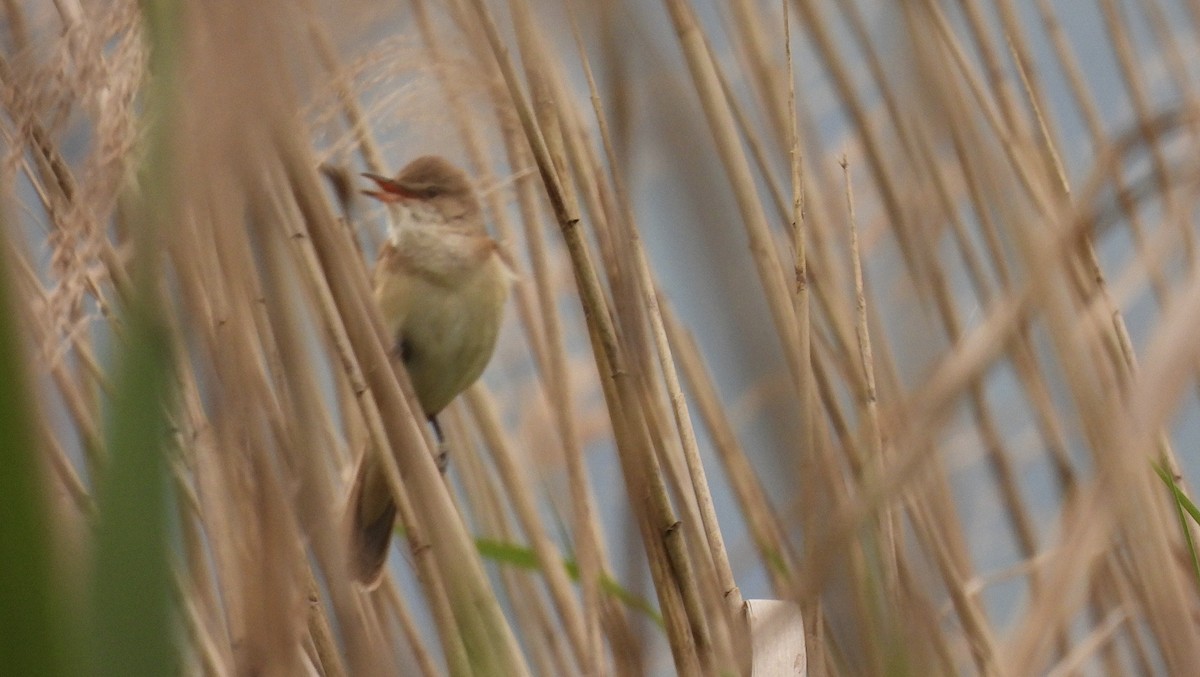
{"x": 441, "y": 284}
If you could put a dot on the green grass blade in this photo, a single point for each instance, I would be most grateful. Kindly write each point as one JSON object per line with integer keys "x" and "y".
{"x": 134, "y": 620}
{"x": 32, "y": 627}
{"x": 133, "y": 628}
{"x": 1183, "y": 505}
{"x": 514, "y": 555}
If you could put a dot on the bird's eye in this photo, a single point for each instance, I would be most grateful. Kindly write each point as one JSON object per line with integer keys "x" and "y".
{"x": 432, "y": 192}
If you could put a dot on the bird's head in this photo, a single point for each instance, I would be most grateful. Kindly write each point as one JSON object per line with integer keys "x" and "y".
{"x": 432, "y": 185}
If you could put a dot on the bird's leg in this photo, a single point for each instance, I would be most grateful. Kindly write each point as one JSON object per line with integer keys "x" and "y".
{"x": 443, "y": 451}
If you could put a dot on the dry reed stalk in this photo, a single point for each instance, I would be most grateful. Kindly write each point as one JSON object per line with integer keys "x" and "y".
{"x": 723, "y": 128}
{"x": 1139, "y": 98}
{"x": 589, "y": 545}
{"x": 482, "y": 501}
{"x": 352, "y": 111}
{"x": 587, "y": 534}
{"x": 518, "y": 490}
{"x": 801, "y": 302}
{"x": 818, "y": 31}
{"x": 592, "y": 202}
{"x": 709, "y": 544}
{"x": 1035, "y": 390}
{"x": 852, "y": 378}
{"x": 634, "y": 311}
{"x": 868, "y": 399}
{"x": 658, "y": 522}
{"x": 768, "y": 536}
{"x": 399, "y": 609}
{"x": 1096, "y": 427}
{"x": 545, "y": 95}
{"x": 997, "y": 455}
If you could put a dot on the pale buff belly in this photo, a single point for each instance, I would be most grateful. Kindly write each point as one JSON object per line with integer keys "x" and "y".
{"x": 445, "y": 332}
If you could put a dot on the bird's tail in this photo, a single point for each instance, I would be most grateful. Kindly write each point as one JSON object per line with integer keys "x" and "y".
{"x": 371, "y": 517}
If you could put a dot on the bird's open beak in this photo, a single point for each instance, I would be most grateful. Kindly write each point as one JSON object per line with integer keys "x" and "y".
{"x": 389, "y": 189}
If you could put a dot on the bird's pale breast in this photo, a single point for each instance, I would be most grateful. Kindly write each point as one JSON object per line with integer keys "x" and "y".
{"x": 442, "y": 296}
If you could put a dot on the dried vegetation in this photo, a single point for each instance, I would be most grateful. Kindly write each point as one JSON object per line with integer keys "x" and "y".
{"x": 911, "y": 285}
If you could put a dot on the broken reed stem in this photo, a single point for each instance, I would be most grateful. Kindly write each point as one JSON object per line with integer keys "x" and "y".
{"x": 871, "y": 143}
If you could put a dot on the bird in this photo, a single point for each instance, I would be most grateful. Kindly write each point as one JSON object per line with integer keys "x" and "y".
{"x": 441, "y": 283}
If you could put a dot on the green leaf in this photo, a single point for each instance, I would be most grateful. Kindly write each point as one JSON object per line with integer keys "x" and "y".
{"x": 525, "y": 558}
